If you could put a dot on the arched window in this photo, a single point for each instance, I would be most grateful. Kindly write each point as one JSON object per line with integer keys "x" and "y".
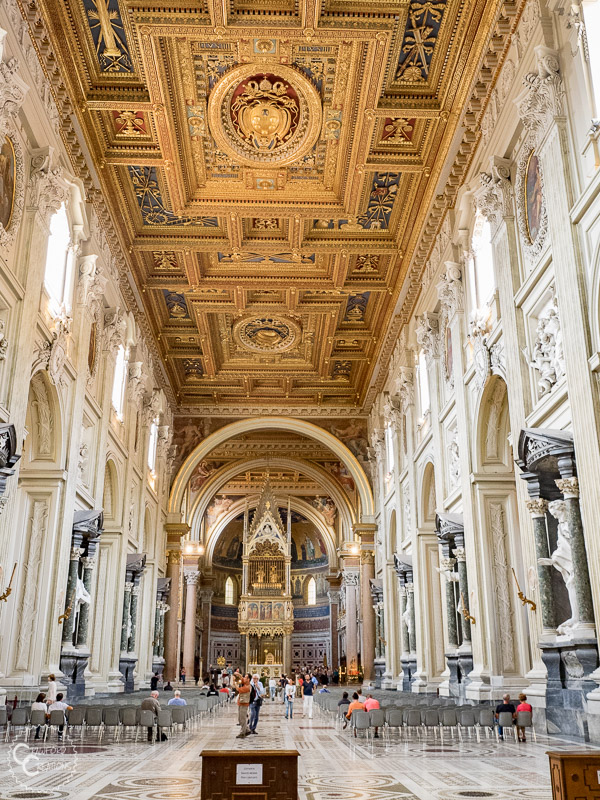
{"x": 481, "y": 264}
{"x": 229, "y": 592}
{"x": 152, "y": 442}
{"x": 59, "y": 262}
{"x": 118, "y": 391}
{"x": 311, "y": 592}
{"x": 423, "y": 384}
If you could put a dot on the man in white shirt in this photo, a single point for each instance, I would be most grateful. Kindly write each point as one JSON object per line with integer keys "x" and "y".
{"x": 272, "y": 687}
{"x": 59, "y": 705}
{"x": 290, "y": 694}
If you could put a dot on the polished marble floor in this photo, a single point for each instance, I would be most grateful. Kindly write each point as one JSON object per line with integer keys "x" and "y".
{"x": 332, "y": 765}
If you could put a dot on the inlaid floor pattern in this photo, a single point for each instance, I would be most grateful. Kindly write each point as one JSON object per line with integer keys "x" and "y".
{"x": 333, "y": 765}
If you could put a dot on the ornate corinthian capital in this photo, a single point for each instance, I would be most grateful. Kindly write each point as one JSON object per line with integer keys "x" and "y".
{"x": 544, "y": 97}
{"x": 428, "y": 335}
{"x": 12, "y": 91}
{"x": 495, "y": 198}
{"x": 537, "y": 507}
{"x": 450, "y": 289}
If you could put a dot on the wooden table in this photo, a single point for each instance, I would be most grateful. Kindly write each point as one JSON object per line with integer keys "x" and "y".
{"x": 575, "y": 774}
{"x": 249, "y": 775}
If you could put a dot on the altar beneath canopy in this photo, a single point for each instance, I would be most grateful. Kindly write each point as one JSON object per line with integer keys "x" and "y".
{"x": 272, "y": 670}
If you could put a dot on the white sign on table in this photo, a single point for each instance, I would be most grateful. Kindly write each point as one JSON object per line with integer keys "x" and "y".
{"x": 249, "y": 774}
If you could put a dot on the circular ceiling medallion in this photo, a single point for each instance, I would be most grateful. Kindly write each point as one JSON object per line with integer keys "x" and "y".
{"x": 267, "y": 334}
{"x": 265, "y": 117}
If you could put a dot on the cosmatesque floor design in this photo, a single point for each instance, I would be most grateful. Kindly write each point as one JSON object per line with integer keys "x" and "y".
{"x": 332, "y": 765}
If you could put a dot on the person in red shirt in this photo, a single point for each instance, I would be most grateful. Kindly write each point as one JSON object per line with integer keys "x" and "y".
{"x": 523, "y": 706}
{"x": 371, "y": 704}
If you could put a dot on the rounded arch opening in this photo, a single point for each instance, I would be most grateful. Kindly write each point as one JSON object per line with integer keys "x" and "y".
{"x": 301, "y": 427}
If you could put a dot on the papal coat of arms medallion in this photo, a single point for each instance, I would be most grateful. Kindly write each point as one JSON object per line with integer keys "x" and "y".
{"x": 265, "y": 117}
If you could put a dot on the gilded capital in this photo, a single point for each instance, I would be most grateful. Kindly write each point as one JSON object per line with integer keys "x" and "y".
{"x": 537, "y": 507}
{"x": 569, "y": 487}
{"x": 367, "y": 557}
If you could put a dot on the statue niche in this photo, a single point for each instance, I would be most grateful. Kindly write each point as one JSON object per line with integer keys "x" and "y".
{"x": 266, "y": 568}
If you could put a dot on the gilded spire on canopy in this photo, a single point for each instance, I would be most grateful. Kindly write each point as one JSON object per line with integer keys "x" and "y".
{"x": 267, "y": 507}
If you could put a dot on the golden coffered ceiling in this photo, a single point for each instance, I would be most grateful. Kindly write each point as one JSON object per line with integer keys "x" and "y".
{"x": 268, "y": 165}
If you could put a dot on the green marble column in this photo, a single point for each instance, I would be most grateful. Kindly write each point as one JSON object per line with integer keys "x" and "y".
{"x": 68, "y": 624}
{"x": 156, "y": 637}
{"x": 161, "y": 635}
{"x": 537, "y": 508}
{"x": 381, "y": 631}
{"x": 463, "y": 585}
{"x": 404, "y": 626}
{"x": 135, "y": 592}
{"x": 84, "y": 609}
{"x": 447, "y": 565}
{"x": 126, "y": 613}
{"x": 583, "y": 591}
{"x": 412, "y": 633}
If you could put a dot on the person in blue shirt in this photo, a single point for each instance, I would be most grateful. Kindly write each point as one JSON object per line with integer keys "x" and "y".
{"x": 177, "y": 699}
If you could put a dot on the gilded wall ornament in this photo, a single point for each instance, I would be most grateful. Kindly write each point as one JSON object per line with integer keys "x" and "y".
{"x": 267, "y": 334}
{"x": 270, "y": 117}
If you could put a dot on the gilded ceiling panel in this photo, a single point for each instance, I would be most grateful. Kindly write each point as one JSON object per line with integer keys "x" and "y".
{"x": 268, "y": 165}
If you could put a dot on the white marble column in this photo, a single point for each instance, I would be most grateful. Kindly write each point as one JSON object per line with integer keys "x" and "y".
{"x": 189, "y": 635}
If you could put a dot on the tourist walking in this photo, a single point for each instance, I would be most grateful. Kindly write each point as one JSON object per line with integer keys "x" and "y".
{"x": 308, "y": 689}
{"x": 182, "y": 672}
{"x": 257, "y": 692}
{"x": 243, "y": 701}
{"x": 290, "y": 694}
{"x": 272, "y": 687}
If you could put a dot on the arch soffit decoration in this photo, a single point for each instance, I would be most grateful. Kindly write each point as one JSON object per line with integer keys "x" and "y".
{"x": 296, "y": 503}
{"x": 229, "y": 471}
{"x": 427, "y": 478}
{"x": 45, "y": 444}
{"x": 301, "y": 427}
{"x": 483, "y": 410}
{"x": 392, "y": 534}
